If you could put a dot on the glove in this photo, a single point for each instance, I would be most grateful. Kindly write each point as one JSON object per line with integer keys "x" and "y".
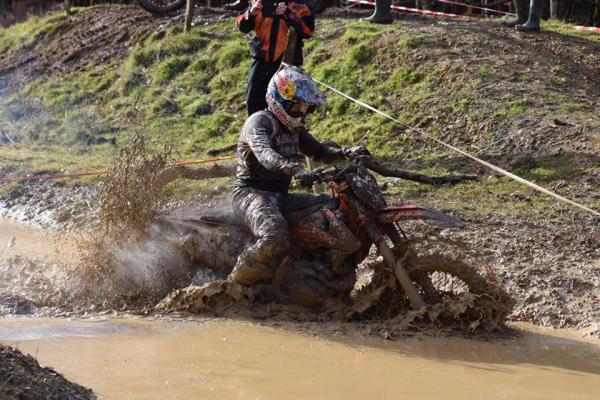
{"x": 353, "y": 152}
{"x": 305, "y": 178}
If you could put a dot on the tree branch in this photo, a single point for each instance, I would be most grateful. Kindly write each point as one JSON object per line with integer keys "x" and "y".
{"x": 382, "y": 170}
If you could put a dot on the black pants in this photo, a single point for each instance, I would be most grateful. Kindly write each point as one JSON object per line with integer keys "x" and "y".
{"x": 259, "y": 76}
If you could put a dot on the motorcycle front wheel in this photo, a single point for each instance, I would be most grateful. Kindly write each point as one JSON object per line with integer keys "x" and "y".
{"x": 161, "y": 7}
{"x": 461, "y": 290}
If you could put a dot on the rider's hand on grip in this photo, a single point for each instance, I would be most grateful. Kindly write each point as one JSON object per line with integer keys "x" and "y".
{"x": 305, "y": 178}
{"x": 357, "y": 151}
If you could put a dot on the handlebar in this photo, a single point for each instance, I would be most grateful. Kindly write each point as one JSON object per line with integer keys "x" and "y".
{"x": 335, "y": 173}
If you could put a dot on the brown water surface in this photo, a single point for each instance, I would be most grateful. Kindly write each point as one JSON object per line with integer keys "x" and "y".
{"x": 132, "y": 358}
{"x": 19, "y": 239}
{"x": 221, "y": 359}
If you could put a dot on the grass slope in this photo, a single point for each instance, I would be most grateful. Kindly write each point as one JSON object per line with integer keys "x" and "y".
{"x": 471, "y": 84}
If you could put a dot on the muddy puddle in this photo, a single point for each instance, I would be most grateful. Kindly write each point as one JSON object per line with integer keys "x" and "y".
{"x": 221, "y": 359}
{"x": 18, "y": 239}
{"x": 198, "y": 358}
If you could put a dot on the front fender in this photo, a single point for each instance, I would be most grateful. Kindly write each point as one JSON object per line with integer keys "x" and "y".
{"x": 407, "y": 212}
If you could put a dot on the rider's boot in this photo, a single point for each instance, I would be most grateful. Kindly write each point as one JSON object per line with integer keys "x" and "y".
{"x": 236, "y": 5}
{"x": 522, "y": 11}
{"x": 248, "y": 270}
{"x": 382, "y": 14}
{"x": 533, "y": 23}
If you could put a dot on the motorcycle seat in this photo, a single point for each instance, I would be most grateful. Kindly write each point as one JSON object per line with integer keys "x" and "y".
{"x": 229, "y": 217}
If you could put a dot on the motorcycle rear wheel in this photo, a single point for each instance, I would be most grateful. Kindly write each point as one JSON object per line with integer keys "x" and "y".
{"x": 161, "y": 7}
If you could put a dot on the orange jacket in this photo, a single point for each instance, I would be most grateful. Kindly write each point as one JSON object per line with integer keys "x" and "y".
{"x": 272, "y": 31}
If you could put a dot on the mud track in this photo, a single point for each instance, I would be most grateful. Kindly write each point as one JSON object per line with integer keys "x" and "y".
{"x": 551, "y": 266}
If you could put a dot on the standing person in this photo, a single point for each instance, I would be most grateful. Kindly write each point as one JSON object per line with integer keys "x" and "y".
{"x": 533, "y": 21}
{"x": 270, "y": 22}
{"x": 528, "y": 18}
{"x": 382, "y": 14}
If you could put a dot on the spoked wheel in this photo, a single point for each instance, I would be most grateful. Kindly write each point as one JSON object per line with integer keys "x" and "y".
{"x": 161, "y": 7}
{"x": 458, "y": 291}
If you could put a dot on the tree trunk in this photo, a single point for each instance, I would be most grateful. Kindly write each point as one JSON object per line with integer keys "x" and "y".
{"x": 554, "y": 9}
{"x": 19, "y": 10}
{"x": 189, "y": 15}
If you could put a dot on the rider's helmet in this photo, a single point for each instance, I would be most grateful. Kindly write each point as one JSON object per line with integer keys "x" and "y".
{"x": 291, "y": 94}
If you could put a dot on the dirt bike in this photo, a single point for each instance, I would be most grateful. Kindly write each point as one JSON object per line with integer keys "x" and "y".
{"x": 331, "y": 236}
{"x": 161, "y": 7}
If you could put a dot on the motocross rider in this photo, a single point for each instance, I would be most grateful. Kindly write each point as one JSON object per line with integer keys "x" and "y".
{"x": 268, "y": 150}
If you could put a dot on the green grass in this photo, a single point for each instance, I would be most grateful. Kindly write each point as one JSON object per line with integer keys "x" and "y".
{"x": 188, "y": 91}
{"x": 566, "y": 28}
{"x": 27, "y": 32}
{"x": 512, "y": 109}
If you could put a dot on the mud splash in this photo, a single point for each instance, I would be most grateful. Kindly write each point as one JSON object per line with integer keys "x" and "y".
{"x": 124, "y": 264}
{"x": 119, "y": 263}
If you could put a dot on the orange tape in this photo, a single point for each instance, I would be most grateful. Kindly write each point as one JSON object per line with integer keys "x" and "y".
{"x": 77, "y": 175}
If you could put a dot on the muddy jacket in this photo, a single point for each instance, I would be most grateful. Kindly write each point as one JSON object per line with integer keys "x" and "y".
{"x": 272, "y": 31}
{"x": 267, "y": 153}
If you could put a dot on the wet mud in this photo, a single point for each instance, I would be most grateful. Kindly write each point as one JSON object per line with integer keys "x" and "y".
{"x": 22, "y": 377}
{"x": 123, "y": 262}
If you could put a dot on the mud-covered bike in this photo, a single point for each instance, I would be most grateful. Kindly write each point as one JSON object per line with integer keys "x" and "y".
{"x": 331, "y": 236}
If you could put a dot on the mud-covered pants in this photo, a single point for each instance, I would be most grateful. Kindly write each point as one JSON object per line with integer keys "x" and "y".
{"x": 262, "y": 211}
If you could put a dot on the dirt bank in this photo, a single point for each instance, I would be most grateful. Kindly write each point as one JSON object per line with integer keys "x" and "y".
{"x": 23, "y": 378}
{"x": 102, "y": 34}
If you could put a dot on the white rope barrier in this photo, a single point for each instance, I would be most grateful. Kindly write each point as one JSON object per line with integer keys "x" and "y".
{"x": 464, "y": 153}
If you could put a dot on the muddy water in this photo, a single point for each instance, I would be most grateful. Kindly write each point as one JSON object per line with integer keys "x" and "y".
{"x": 218, "y": 359}
{"x": 222, "y": 359}
{"x": 18, "y": 239}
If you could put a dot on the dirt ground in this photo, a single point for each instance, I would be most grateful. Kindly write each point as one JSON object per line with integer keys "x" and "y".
{"x": 100, "y": 34}
{"x": 22, "y": 378}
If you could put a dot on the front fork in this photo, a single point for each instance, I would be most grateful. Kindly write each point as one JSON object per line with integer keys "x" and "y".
{"x": 395, "y": 265}
{"x": 393, "y": 262}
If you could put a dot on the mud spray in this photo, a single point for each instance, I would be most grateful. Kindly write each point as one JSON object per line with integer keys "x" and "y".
{"x": 119, "y": 263}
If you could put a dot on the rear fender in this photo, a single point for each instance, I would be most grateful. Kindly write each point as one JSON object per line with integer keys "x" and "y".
{"x": 413, "y": 212}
